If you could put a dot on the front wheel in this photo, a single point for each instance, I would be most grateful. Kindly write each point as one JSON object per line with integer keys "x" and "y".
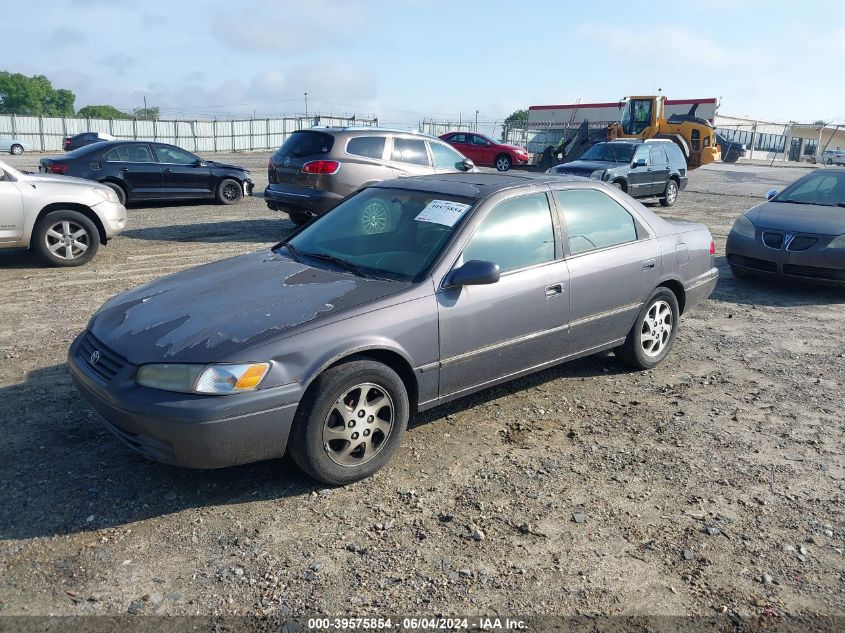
{"x": 350, "y": 422}
{"x": 670, "y": 194}
{"x": 829, "y": 161}
{"x": 229, "y": 191}
{"x": 66, "y": 238}
{"x": 653, "y": 333}
{"x": 503, "y": 162}
{"x": 16, "y": 149}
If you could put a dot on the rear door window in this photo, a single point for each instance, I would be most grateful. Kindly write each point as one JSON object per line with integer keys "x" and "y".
{"x": 658, "y": 158}
{"x": 594, "y": 220}
{"x": 676, "y": 157}
{"x": 366, "y": 146}
{"x": 306, "y": 143}
{"x": 406, "y": 150}
{"x": 130, "y": 154}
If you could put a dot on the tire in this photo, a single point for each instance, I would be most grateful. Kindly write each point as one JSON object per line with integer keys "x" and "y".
{"x": 619, "y": 185}
{"x": 660, "y": 307}
{"x": 229, "y": 191}
{"x": 325, "y": 429}
{"x": 120, "y": 191}
{"x": 16, "y": 149}
{"x": 503, "y": 162}
{"x": 670, "y": 194}
{"x": 829, "y": 161}
{"x": 52, "y": 233}
{"x": 731, "y": 157}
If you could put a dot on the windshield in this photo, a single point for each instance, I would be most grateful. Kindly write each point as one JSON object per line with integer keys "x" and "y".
{"x": 610, "y": 152}
{"x": 826, "y": 188}
{"x": 392, "y": 233}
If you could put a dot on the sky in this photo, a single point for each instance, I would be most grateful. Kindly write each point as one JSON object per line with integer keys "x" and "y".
{"x": 406, "y": 60}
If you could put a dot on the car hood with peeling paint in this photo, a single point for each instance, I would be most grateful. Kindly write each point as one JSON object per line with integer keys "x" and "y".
{"x": 209, "y": 313}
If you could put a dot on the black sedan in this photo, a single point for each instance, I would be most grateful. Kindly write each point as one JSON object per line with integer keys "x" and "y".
{"x": 140, "y": 170}
{"x": 798, "y": 233}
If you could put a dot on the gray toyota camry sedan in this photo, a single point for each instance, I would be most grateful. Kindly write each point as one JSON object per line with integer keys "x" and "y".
{"x": 408, "y": 294}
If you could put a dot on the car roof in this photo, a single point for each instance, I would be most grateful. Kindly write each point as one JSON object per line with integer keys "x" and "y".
{"x": 367, "y": 129}
{"x": 475, "y": 185}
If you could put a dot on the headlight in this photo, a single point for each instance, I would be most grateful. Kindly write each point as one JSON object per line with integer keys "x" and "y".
{"x": 106, "y": 193}
{"x": 743, "y": 226}
{"x": 598, "y": 173}
{"x": 208, "y": 379}
{"x": 838, "y": 242}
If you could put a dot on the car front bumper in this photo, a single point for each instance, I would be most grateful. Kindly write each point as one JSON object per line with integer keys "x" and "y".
{"x": 281, "y": 196}
{"x": 186, "y": 429}
{"x": 823, "y": 265}
{"x": 113, "y": 217}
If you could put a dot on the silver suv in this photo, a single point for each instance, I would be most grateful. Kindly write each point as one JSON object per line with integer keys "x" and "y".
{"x": 62, "y": 219}
{"x": 315, "y": 169}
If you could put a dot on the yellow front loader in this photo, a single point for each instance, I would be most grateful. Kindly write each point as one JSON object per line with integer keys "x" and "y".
{"x": 644, "y": 117}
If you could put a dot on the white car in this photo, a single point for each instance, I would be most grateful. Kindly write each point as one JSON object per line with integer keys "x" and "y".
{"x": 832, "y": 157}
{"x": 63, "y": 219}
{"x": 14, "y": 146}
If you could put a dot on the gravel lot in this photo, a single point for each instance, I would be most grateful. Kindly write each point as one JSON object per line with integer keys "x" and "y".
{"x": 713, "y": 484}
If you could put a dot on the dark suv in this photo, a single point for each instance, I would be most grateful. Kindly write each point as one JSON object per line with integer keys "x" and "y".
{"x": 315, "y": 169}
{"x": 642, "y": 169}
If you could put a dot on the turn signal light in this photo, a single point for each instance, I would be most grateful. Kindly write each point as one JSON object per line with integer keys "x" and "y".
{"x": 321, "y": 167}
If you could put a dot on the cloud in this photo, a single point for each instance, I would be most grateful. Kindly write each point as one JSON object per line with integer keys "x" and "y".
{"x": 63, "y": 36}
{"x": 293, "y": 28}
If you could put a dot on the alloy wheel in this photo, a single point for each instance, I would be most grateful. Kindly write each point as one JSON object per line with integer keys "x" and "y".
{"x": 231, "y": 191}
{"x": 358, "y": 424}
{"x": 502, "y": 164}
{"x": 67, "y": 239}
{"x": 657, "y": 328}
{"x": 671, "y": 192}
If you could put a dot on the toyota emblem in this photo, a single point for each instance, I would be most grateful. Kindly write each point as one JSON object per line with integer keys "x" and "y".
{"x": 95, "y": 357}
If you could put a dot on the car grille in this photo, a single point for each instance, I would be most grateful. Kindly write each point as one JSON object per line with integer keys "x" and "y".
{"x": 832, "y": 274}
{"x": 576, "y": 171}
{"x": 107, "y": 362}
{"x": 801, "y": 243}
{"x": 773, "y": 240}
{"x": 752, "y": 262}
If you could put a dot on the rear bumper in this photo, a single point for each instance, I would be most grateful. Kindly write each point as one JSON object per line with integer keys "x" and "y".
{"x": 699, "y": 289}
{"x": 280, "y": 196}
{"x": 184, "y": 429}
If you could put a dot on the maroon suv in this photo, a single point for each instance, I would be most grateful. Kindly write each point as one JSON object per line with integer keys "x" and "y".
{"x": 483, "y": 151}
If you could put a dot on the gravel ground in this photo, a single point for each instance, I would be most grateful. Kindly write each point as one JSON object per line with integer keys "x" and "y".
{"x": 712, "y": 484}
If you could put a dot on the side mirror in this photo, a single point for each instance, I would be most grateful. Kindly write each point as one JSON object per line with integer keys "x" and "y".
{"x": 771, "y": 194}
{"x": 473, "y": 273}
{"x": 199, "y": 163}
{"x": 465, "y": 165}
{"x": 640, "y": 162}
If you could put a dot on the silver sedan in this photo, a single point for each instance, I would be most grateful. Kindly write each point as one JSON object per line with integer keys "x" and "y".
{"x": 14, "y": 146}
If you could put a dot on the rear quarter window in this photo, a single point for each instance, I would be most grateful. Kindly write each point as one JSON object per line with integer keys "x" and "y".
{"x": 676, "y": 156}
{"x": 366, "y": 146}
{"x": 307, "y": 143}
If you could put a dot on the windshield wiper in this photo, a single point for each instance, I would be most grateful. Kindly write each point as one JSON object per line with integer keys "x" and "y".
{"x": 337, "y": 261}
{"x": 292, "y": 250}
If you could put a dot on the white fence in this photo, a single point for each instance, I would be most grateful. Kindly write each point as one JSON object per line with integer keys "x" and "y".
{"x": 47, "y": 134}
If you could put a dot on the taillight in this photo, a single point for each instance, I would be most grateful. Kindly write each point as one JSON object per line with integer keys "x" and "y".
{"x": 56, "y": 168}
{"x": 712, "y": 247}
{"x": 321, "y": 167}
{"x": 271, "y": 164}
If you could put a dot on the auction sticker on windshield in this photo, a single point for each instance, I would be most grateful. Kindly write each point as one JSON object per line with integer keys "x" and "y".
{"x": 442, "y": 212}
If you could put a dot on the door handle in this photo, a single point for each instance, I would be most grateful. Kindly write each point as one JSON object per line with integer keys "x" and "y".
{"x": 168, "y": 171}
{"x": 124, "y": 169}
{"x": 553, "y": 290}
{"x": 648, "y": 264}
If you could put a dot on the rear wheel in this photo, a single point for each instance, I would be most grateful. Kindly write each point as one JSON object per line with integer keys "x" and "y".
{"x": 350, "y": 422}
{"x": 670, "y": 194}
{"x": 503, "y": 162}
{"x": 300, "y": 217}
{"x": 65, "y": 238}
{"x": 16, "y": 149}
{"x": 618, "y": 185}
{"x": 653, "y": 333}
{"x": 229, "y": 191}
{"x": 829, "y": 161}
{"x": 120, "y": 191}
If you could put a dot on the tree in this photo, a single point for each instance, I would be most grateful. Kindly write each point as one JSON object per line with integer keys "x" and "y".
{"x": 102, "y": 112}
{"x": 147, "y": 114}
{"x": 517, "y": 119}
{"x": 33, "y": 96}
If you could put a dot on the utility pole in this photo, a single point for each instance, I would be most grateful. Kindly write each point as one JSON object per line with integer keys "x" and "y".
{"x": 145, "y": 107}
{"x": 306, "y": 105}
{"x": 476, "y": 120}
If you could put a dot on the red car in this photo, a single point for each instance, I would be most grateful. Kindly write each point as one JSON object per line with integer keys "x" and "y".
{"x": 482, "y": 151}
